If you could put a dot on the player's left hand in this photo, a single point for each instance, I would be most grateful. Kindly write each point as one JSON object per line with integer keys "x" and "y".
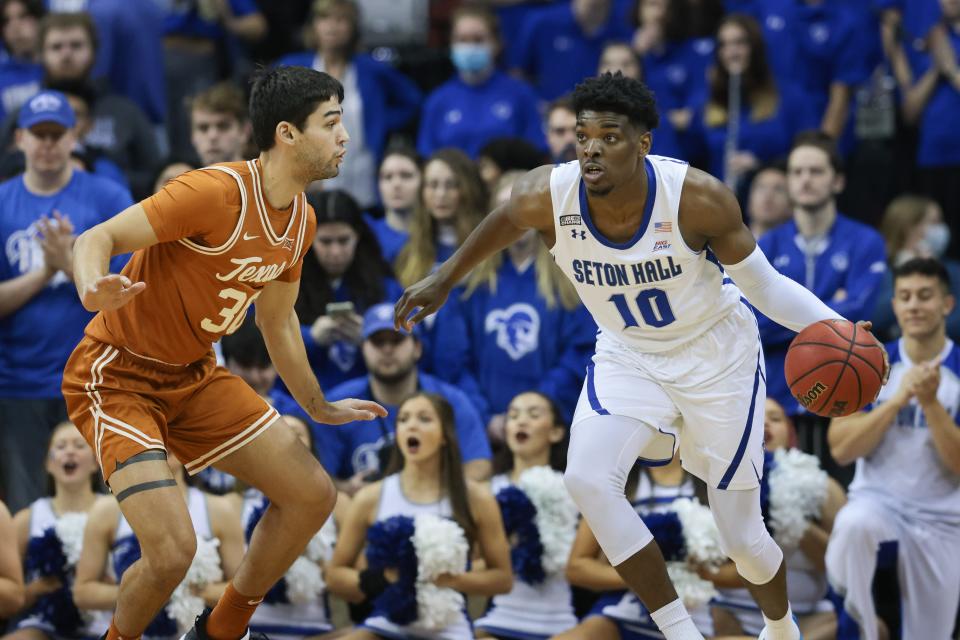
{"x": 348, "y": 410}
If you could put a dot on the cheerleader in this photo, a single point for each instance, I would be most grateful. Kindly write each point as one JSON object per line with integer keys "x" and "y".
{"x": 49, "y": 533}
{"x": 535, "y": 438}
{"x": 619, "y": 614}
{"x": 424, "y": 478}
{"x": 804, "y": 553}
{"x": 298, "y": 606}
{"x": 110, "y": 548}
{"x": 11, "y": 572}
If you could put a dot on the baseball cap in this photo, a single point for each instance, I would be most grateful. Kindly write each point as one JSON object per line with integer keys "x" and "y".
{"x": 46, "y": 106}
{"x": 379, "y": 317}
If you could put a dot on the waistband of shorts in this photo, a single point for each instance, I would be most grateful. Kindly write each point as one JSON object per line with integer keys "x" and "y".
{"x": 156, "y": 363}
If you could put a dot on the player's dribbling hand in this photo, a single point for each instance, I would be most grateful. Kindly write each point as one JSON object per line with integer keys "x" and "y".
{"x": 348, "y": 410}
{"x": 428, "y": 295}
{"x": 112, "y": 291}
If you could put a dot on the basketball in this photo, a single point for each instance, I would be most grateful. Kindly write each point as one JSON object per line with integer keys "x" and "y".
{"x": 834, "y": 368}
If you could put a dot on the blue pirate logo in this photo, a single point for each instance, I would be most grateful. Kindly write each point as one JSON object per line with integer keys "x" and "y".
{"x": 343, "y": 354}
{"x": 517, "y": 327}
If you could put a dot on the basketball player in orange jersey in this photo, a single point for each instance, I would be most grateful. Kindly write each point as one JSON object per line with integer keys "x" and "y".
{"x": 144, "y": 378}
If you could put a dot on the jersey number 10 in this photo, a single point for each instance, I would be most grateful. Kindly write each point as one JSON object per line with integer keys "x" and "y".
{"x": 653, "y": 306}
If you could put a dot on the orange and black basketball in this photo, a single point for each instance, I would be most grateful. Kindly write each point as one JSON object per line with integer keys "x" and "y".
{"x": 834, "y": 368}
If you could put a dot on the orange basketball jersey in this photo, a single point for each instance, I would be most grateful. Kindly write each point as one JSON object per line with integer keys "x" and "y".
{"x": 220, "y": 243}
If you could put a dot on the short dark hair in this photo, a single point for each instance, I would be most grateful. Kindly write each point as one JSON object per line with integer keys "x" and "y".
{"x": 287, "y": 94}
{"x": 619, "y": 94}
{"x": 513, "y": 154}
{"x": 563, "y": 102}
{"x": 823, "y": 141}
{"x": 245, "y": 346}
{"x": 224, "y": 97}
{"x": 930, "y": 267}
{"x": 34, "y": 8}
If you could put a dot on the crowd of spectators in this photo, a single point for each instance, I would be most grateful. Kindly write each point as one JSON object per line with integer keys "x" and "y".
{"x": 833, "y": 121}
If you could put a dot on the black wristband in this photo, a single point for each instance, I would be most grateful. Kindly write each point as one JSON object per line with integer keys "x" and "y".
{"x": 373, "y": 583}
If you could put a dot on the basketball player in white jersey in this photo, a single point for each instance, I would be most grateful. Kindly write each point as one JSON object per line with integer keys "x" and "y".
{"x": 644, "y": 240}
{"x": 907, "y": 484}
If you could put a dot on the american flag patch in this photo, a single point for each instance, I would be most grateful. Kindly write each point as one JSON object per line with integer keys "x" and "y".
{"x": 663, "y": 227}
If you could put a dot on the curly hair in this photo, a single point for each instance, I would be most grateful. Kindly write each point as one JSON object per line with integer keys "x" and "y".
{"x": 619, "y": 94}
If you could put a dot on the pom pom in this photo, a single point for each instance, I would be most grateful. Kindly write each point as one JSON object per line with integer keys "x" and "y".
{"x": 390, "y": 545}
{"x": 519, "y": 521}
{"x": 69, "y": 528}
{"x": 184, "y": 606}
{"x": 303, "y": 581}
{"x": 556, "y": 515}
{"x": 798, "y": 489}
{"x": 45, "y": 556}
{"x": 701, "y": 537}
{"x": 441, "y": 548}
{"x": 693, "y": 590}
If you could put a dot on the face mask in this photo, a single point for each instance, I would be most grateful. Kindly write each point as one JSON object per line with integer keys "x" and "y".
{"x": 471, "y": 58}
{"x": 937, "y": 238}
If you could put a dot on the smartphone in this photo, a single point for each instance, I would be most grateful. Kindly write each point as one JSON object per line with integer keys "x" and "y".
{"x": 339, "y": 308}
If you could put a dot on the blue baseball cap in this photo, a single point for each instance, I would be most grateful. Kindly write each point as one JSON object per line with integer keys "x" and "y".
{"x": 379, "y": 317}
{"x": 46, "y": 106}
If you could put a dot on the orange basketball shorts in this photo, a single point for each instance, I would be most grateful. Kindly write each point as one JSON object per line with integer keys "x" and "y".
{"x": 126, "y": 404}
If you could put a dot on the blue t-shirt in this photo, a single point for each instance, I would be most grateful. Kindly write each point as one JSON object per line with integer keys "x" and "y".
{"x": 555, "y": 52}
{"x": 767, "y": 139}
{"x": 846, "y": 271}
{"x": 516, "y": 344}
{"x": 678, "y": 73}
{"x": 391, "y": 241}
{"x": 939, "y": 135}
{"x": 468, "y": 116}
{"x": 350, "y": 448}
{"x": 18, "y": 81}
{"x": 37, "y": 339}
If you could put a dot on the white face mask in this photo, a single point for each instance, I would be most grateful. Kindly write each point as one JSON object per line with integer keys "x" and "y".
{"x": 937, "y": 238}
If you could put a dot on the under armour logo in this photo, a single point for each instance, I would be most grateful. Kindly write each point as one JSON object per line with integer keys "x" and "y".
{"x": 578, "y": 233}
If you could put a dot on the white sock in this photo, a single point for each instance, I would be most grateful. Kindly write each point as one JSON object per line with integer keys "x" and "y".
{"x": 675, "y": 623}
{"x": 783, "y": 629}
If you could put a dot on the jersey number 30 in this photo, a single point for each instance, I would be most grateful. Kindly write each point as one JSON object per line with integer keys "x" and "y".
{"x": 233, "y": 315}
{"x": 653, "y": 306}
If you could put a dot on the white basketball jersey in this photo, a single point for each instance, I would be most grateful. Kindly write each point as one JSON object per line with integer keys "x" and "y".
{"x": 652, "y": 293}
{"x": 906, "y": 465}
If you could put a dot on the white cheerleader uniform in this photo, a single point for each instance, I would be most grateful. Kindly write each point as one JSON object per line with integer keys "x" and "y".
{"x": 529, "y": 612}
{"x": 42, "y": 517}
{"x": 394, "y": 503}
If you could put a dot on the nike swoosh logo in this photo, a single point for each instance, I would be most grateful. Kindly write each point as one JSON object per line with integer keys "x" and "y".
{"x": 247, "y": 236}
{"x": 254, "y": 602}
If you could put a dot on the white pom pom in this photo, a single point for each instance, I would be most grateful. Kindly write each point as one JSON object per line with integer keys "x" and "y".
{"x": 184, "y": 606}
{"x": 437, "y": 607}
{"x": 798, "y": 488}
{"x": 69, "y": 528}
{"x": 556, "y": 515}
{"x": 321, "y": 544}
{"x": 693, "y": 590}
{"x": 700, "y": 532}
{"x": 304, "y": 581}
{"x": 441, "y": 548}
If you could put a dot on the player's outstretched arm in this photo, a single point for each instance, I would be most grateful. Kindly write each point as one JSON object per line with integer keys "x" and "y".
{"x": 710, "y": 216}
{"x": 529, "y": 208}
{"x": 278, "y": 322}
{"x": 127, "y": 231}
